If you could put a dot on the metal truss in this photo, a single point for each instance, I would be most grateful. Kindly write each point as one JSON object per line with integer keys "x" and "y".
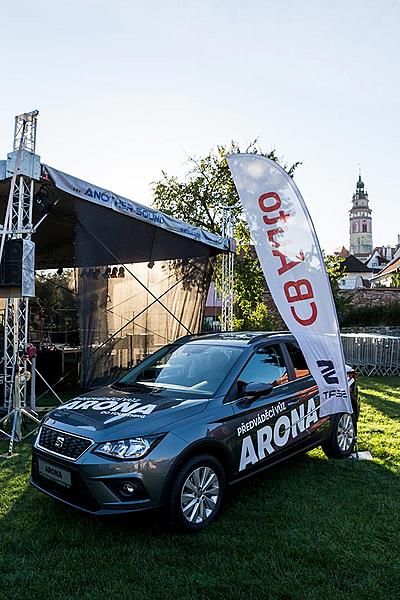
{"x": 15, "y": 342}
{"x": 25, "y": 132}
{"x": 19, "y": 225}
{"x": 21, "y": 163}
{"x": 227, "y": 277}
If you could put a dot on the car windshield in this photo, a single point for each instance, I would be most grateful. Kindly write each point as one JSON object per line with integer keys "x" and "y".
{"x": 198, "y": 369}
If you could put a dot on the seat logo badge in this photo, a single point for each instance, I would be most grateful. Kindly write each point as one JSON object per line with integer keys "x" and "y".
{"x": 59, "y": 443}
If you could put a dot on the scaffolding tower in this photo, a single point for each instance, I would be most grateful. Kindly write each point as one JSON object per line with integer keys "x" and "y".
{"x": 23, "y": 166}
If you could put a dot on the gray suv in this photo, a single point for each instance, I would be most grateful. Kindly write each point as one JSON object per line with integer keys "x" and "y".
{"x": 176, "y": 430}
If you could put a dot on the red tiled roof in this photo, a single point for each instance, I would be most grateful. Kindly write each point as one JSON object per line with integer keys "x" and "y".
{"x": 393, "y": 266}
{"x": 341, "y": 251}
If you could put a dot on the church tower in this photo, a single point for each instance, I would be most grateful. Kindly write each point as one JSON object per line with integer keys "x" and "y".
{"x": 360, "y": 223}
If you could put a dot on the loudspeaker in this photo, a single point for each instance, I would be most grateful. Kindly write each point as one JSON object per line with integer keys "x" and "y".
{"x": 17, "y": 269}
{"x": 11, "y": 264}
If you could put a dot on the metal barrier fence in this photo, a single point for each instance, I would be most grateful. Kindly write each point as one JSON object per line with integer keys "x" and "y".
{"x": 372, "y": 354}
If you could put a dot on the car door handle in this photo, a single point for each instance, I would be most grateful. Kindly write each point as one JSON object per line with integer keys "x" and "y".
{"x": 292, "y": 402}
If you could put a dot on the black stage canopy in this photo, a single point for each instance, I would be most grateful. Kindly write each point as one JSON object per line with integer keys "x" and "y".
{"x": 165, "y": 275}
{"x": 72, "y": 215}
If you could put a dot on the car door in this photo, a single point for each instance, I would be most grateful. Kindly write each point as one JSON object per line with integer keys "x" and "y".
{"x": 311, "y": 427}
{"x": 263, "y": 426}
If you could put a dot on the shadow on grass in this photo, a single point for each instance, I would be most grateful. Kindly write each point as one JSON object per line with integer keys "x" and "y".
{"x": 382, "y": 394}
{"x": 389, "y": 408}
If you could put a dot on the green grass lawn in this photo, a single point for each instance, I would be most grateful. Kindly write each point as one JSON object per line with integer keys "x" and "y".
{"x": 307, "y": 529}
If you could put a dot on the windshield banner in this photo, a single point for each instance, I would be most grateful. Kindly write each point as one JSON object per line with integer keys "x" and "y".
{"x": 289, "y": 252}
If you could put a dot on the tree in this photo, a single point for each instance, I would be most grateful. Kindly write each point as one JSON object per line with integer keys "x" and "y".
{"x": 198, "y": 200}
{"x": 335, "y": 269}
{"x": 395, "y": 280}
{"x": 55, "y": 308}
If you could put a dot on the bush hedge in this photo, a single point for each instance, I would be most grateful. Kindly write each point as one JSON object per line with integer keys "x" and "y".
{"x": 369, "y": 315}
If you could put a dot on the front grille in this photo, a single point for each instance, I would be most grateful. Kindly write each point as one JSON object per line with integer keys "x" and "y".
{"x": 78, "y": 494}
{"x": 62, "y": 443}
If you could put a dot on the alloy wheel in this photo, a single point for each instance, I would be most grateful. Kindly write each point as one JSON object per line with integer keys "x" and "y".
{"x": 345, "y": 432}
{"x": 200, "y": 494}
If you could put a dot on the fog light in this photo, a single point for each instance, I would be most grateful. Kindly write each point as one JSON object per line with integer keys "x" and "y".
{"x": 127, "y": 488}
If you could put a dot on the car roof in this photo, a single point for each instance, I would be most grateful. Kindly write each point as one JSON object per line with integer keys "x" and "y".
{"x": 233, "y": 338}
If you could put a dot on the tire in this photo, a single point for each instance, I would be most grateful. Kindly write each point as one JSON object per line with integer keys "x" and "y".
{"x": 343, "y": 436}
{"x": 197, "y": 493}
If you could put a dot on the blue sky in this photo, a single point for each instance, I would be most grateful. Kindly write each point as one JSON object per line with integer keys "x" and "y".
{"x": 127, "y": 88}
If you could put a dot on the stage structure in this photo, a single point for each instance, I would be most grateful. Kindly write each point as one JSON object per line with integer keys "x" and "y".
{"x": 141, "y": 275}
{"x": 24, "y": 168}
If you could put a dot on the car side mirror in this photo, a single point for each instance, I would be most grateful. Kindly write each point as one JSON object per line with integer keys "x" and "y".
{"x": 256, "y": 390}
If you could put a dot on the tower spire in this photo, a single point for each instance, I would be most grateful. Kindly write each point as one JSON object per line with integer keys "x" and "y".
{"x": 360, "y": 222}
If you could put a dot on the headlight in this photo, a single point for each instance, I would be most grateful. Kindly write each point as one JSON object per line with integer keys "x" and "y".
{"x": 36, "y": 435}
{"x": 134, "y": 448}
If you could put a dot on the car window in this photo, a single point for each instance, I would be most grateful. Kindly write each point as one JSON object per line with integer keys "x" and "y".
{"x": 299, "y": 362}
{"x": 198, "y": 369}
{"x": 267, "y": 365}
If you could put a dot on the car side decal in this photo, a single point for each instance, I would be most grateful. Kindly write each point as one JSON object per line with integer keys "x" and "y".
{"x": 270, "y": 438}
{"x": 263, "y": 416}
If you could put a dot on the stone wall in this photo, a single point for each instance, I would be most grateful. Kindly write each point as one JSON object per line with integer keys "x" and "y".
{"x": 372, "y": 296}
{"x": 359, "y": 297}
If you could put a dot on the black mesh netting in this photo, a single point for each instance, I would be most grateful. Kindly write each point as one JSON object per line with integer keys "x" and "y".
{"x": 121, "y": 320}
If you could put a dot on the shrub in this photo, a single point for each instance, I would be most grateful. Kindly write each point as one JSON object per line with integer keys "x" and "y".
{"x": 370, "y": 315}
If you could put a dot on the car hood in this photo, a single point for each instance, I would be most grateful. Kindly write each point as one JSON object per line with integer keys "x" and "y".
{"x": 108, "y": 413}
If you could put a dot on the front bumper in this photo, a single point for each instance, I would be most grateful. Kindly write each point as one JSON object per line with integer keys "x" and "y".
{"x": 95, "y": 482}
